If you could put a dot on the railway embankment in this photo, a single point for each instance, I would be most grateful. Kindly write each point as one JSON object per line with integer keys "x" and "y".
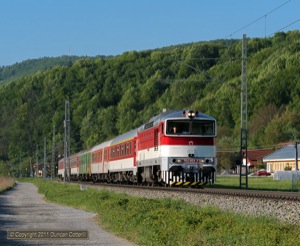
{"x": 27, "y": 219}
{"x": 250, "y": 203}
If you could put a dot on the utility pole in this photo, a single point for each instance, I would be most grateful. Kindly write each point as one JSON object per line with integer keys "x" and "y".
{"x": 53, "y": 155}
{"x": 67, "y": 170}
{"x": 37, "y": 160}
{"x": 296, "y": 159}
{"x": 244, "y": 118}
{"x": 45, "y": 160}
{"x": 30, "y": 167}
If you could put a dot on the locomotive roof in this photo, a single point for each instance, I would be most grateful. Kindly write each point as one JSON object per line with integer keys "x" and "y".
{"x": 179, "y": 114}
{"x": 174, "y": 114}
{"x": 124, "y": 137}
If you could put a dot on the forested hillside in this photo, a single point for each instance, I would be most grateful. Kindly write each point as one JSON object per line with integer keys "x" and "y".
{"x": 19, "y": 70}
{"x": 112, "y": 95}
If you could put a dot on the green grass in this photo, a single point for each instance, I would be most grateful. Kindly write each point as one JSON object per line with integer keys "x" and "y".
{"x": 257, "y": 183}
{"x": 170, "y": 222}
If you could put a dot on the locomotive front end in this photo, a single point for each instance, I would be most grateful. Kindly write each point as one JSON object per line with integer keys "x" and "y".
{"x": 189, "y": 148}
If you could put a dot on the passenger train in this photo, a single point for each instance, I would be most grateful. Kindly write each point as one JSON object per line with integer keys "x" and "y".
{"x": 175, "y": 148}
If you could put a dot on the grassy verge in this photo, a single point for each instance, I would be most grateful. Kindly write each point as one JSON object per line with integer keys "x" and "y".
{"x": 6, "y": 183}
{"x": 257, "y": 183}
{"x": 170, "y": 222}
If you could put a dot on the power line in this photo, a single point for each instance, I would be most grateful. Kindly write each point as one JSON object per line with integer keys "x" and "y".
{"x": 211, "y": 78}
{"x": 286, "y": 26}
{"x": 264, "y": 16}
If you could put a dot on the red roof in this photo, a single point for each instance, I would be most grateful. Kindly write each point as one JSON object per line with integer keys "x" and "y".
{"x": 254, "y": 156}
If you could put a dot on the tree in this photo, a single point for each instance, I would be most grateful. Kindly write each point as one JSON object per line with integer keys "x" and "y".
{"x": 259, "y": 122}
{"x": 107, "y": 121}
{"x": 127, "y": 110}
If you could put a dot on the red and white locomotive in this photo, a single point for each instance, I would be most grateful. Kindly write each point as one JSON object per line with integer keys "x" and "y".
{"x": 173, "y": 148}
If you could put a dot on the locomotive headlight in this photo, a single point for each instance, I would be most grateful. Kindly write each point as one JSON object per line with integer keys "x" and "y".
{"x": 191, "y": 114}
{"x": 209, "y": 160}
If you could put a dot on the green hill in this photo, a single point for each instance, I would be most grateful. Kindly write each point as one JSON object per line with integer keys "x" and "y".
{"x": 28, "y": 67}
{"x": 112, "y": 95}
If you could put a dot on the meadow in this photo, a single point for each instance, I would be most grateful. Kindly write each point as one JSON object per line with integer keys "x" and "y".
{"x": 257, "y": 183}
{"x": 171, "y": 222}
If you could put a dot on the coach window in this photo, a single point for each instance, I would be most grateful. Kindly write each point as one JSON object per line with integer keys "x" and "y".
{"x": 112, "y": 151}
{"x": 130, "y": 148}
{"x": 74, "y": 163}
{"x": 123, "y": 150}
{"x": 105, "y": 155}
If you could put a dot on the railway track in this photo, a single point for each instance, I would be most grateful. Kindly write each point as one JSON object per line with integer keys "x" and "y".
{"x": 281, "y": 205}
{"x": 262, "y": 194}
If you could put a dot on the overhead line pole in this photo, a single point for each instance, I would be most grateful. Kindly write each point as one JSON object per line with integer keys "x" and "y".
{"x": 37, "y": 160}
{"x": 53, "y": 154}
{"x": 45, "y": 160}
{"x": 31, "y": 171}
{"x": 67, "y": 170}
{"x": 244, "y": 118}
{"x": 296, "y": 157}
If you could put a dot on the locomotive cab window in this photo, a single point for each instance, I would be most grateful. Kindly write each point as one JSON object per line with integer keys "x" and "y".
{"x": 203, "y": 128}
{"x": 190, "y": 127}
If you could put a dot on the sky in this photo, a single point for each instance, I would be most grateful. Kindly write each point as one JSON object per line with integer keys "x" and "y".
{"x": 31, "y": 29}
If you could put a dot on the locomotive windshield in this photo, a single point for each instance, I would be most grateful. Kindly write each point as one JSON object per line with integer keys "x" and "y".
{"x": 190, "y": 127}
